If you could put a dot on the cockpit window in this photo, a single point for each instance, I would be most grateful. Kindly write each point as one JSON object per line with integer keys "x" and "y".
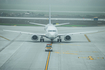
{"x": 51, "y": 30}
{"x": 54, "y": 30}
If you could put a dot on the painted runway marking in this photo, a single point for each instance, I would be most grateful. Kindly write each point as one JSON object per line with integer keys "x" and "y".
{"x": 46, "y": 68}
{"x": 87, "y": 37}
{"x": 74, "y": 52}
{"x": 66, "y": 53}
{"x": 10, "y": 43}
{"x": 70, "y": 44}
{"x": 70, "y": 53}
{"x": 4, "y": 38}
{"x": 91, "y": 58}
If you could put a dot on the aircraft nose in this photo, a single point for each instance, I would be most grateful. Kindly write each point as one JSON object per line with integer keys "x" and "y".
{"x": 52, "y": 35}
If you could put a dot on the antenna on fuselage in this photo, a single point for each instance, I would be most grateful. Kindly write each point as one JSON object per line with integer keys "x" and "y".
{"x": 49, "y": 14}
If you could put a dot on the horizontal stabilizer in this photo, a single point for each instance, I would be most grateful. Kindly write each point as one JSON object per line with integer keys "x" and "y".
{"x": 62, "y": 24}
{"x": 37, "y": 24}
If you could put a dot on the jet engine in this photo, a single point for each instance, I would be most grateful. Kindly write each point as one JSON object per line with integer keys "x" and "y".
{"x": 67, "y": 38}
{"x": 34, "y": 37}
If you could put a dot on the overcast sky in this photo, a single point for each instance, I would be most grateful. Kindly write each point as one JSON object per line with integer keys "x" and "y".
{"x": 60, "y": 2}
{"x": 68, "y": 2}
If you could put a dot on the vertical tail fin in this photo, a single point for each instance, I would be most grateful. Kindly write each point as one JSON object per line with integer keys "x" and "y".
{"x": 49, "y": 14}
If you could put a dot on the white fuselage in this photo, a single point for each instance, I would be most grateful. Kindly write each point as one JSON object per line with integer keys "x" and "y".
{"x": 51, "y": 31}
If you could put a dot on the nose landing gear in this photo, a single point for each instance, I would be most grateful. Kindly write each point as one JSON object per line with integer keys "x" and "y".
{"x": 51, "y": 40}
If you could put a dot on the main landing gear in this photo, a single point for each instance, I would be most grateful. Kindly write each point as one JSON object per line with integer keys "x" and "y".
{"x": 59, "y": 40}
{"x": 41, "y": 39}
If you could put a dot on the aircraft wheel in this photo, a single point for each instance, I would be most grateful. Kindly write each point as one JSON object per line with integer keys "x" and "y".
{"x": 41, "y": 40}
{"x": 51, "y": 41}
{"x": 60, "y": 40}
{"x": 57, "y": 40}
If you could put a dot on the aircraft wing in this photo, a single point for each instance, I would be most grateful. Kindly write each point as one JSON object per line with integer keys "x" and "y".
{"x": 62, "y": 24}
{"x": 25, "y": 32}
{"x": 87, "y": 32}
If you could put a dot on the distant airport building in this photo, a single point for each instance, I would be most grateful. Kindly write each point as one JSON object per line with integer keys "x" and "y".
{"x": 95, "y": 18}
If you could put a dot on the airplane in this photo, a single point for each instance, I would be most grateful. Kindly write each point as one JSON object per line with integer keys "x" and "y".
{"x": 51, "y": 32}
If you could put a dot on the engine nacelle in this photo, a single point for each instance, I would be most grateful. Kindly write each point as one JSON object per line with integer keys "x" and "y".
{"x": 67, "y": 38}
{"x": 34, "y": 37}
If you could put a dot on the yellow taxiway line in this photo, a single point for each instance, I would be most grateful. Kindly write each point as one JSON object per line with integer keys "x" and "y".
{"x": 47, "y": 61}
{"x": 87, "y": 37}
{"x": 4, "y": 38}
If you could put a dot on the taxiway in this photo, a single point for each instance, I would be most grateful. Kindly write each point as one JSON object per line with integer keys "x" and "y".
{"x": 19, "y": 52}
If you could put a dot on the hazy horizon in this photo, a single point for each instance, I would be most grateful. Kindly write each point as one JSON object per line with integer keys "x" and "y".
{"x": 56, "y": 2}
